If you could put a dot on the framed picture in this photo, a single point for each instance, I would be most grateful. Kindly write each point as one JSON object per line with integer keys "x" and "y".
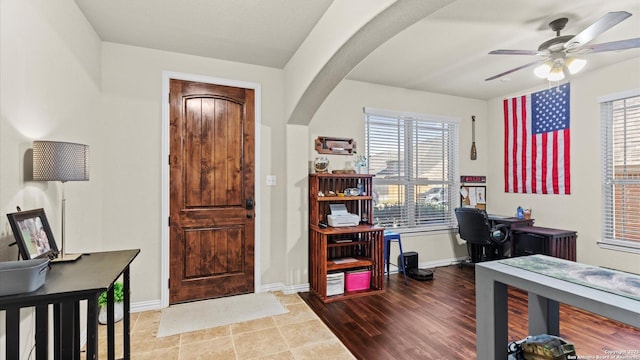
{"x": 33, "y": 234}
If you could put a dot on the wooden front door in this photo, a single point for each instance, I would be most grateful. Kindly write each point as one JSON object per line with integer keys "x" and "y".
{"x": 211, "y": 167}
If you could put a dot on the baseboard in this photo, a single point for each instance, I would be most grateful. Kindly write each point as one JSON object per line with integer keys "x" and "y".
{"x": 287, "y": 289}
{"x": 146, "y": 306}
{"x": 432, "y": 264}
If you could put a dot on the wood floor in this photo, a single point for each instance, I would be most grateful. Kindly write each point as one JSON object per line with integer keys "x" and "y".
{"x": 436, "y": 320}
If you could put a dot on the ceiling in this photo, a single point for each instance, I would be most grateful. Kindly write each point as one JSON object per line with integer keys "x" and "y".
{"x": 446, "y": 52}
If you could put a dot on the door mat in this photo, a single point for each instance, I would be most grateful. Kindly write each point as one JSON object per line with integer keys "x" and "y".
{"x": 199, "y": 315}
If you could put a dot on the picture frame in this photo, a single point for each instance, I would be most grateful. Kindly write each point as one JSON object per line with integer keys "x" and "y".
{"x": 33, "y": 234}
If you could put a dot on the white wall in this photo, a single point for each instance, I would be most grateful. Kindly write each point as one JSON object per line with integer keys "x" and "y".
{"x": 579, "y": 211}
{"x": 341, "y": 115}
{"x": 49, "y": 89}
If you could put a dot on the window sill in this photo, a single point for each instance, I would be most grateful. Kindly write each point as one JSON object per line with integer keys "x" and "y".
{"x": 620, "y": 245}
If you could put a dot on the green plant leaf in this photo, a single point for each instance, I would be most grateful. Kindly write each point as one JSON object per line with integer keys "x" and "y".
{"x": 118, "y": 295}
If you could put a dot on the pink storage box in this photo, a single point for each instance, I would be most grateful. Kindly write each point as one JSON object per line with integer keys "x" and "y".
{"x": 357, "y": 280}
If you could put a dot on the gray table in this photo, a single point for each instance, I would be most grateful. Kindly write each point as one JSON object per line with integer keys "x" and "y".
{"x": 545, "y": 294}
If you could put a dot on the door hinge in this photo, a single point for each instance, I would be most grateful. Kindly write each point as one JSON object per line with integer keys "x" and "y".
{"x": 169, "y": 158}
{"x": 169, "y": 221}
{"x": 169, "y": 97}
{"x": 169, "y": 283}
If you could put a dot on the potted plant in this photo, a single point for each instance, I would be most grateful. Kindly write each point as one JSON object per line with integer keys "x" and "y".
{"x": 118, "y": 298}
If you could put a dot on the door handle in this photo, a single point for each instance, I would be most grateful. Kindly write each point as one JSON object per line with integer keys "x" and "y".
{"x": 249, "y": 204}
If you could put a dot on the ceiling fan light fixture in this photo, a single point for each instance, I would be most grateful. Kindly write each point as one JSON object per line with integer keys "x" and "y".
{"x": 574, "y": 64}
{"x": 543, "y": 70}
{"x": 556, "y": 74}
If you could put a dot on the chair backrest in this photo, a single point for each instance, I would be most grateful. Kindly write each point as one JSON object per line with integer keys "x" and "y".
{"x": 473, "y": 225}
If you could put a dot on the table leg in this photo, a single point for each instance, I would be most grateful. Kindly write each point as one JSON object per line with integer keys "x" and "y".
{"x": 76, "y": 330}
{"x": 57, "y": 328}
{"x": 92, "y": 327}
{"x": 127, "y": 319}
{"x": 491, "y": 317}
{"x": 111, "y": 354}
{"x": 67, "y": 324}
{"x": 42, "y": 332}
{"x": 544, "y": 315}
{"x": 12, "y": 323}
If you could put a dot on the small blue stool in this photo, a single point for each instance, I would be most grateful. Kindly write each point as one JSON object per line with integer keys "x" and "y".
{"x": 390, "y": 236}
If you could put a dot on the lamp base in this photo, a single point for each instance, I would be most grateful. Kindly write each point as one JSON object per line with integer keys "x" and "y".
{"x": 66, "y": 257}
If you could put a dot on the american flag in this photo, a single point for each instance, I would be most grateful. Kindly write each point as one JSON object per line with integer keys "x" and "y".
{"x": 536, "y": 142}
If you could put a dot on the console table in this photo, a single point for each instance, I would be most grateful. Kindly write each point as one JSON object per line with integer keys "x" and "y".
{"x": 545, "y": 294}
{"x": 68, "y": 283}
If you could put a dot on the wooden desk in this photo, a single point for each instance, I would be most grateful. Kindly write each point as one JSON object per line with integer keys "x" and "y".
{"x": 555, "y": 242}
{"x": 545, "y": 294}
{"x": 66, "y": 284}
{"x": 510, "y": 221}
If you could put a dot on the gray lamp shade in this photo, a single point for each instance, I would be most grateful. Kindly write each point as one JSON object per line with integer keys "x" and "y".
{"x": 60, "y": 161}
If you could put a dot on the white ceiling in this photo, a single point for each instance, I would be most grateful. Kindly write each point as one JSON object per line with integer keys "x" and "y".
{"x": 446, "y": 52}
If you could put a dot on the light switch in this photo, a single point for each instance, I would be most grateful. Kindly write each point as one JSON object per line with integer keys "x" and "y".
{"x": 271, "y": 180}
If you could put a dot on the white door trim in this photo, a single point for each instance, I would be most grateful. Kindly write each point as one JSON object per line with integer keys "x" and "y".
{"x": 164, "y": 160}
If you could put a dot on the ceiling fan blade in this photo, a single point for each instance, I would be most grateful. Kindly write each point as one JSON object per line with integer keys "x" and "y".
{"x": 516, "y": 69}
{"x": 601, "y": 25}
{"x": 518, "y": 52}
{"x": 610, "y": 46}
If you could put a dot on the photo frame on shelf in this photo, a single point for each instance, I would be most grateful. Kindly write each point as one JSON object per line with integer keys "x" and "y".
{"x": 33, "y": 234}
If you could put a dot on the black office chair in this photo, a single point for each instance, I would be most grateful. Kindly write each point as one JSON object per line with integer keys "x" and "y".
{"x": 484, "y": 242}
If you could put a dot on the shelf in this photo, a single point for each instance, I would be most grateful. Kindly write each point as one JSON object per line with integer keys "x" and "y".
{"x": 338, "y": 176}
{"x": 346, "y": 229}
{"x": 342, "y": 198}
{"x": 331, "y": 266}
{"x": 350, "y": 243}
{"x": 366, "y": 247}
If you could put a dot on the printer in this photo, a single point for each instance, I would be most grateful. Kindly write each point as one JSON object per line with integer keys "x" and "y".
{"x": 341, "y": 217}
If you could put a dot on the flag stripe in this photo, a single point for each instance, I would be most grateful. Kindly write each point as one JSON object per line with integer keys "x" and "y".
{"x": 505, "y": 110}
{"x": 523, "y": 156}
{"x": 514, "y": 146}
{"x": 567, "y": 162}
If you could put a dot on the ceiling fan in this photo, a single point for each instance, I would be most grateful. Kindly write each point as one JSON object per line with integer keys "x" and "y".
{"x": 558, "y": 54}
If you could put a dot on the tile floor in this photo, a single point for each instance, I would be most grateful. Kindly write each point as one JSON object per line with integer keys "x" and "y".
{"x": 296, "y": 335}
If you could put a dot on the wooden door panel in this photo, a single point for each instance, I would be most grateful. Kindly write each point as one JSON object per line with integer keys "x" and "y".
{"x": 211, "y": 177}
{"x": 212, "y": 170}
{"x": 213, "y": 252}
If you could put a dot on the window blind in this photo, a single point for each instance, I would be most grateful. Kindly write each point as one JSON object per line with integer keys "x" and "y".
{"x": 414, "y": 158}
{"x": 620, "y": 132}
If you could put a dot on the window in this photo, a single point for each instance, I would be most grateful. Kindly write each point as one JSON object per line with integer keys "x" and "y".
{"x": 414, "y": 158}
{"x": 620, "y": 121}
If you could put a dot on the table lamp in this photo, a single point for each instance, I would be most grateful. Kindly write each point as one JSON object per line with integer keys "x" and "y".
{"x": 61, "y": 161}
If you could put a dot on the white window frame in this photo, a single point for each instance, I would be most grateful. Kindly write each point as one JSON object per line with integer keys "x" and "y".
{"x": 453, "y": 180}
{"x": 606, "y": 116}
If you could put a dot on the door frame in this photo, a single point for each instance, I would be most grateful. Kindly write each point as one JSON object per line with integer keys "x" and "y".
{"x": 164, "y": 216}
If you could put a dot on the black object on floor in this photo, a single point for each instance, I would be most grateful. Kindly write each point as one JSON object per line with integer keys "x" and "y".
{"x": 421, "y": 274}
